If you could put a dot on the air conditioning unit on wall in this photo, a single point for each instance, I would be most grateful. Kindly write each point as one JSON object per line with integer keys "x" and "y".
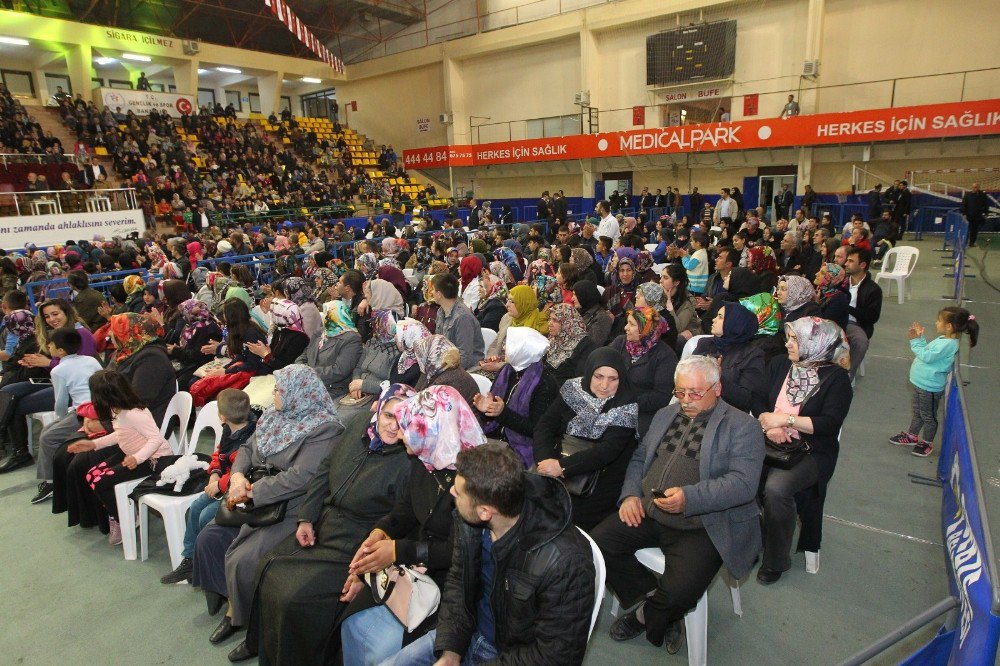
{"x": 810, "y": 68}
{"x": 190, "y": 47}
{"x": 446, "y": 119}
{"x": 582, "y": 98}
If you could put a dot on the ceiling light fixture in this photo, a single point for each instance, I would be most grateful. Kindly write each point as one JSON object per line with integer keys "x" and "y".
{"x": 104, "y": 60}
{"x": 137, "y": 58}
{"x": 229, "y": 70}
{"x": 309, "y": 79}
{"x": 14, "y": 41}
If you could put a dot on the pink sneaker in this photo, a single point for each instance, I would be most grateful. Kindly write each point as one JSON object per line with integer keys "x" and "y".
{"x": 115, "y": 535}
{"x": 903, "y": 439}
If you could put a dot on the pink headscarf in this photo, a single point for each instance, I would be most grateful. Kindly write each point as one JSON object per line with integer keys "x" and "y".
{"x": 438, "y": 424}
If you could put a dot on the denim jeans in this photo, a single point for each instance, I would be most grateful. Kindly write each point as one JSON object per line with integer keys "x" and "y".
{"x": 370, "y": 637}
{"x": 421, "y": 652}
{"x": 925, "y": 408}
{"x": 201, "y": 513}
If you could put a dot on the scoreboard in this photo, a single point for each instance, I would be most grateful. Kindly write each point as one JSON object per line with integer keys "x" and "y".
{"x": 690, "y": 54}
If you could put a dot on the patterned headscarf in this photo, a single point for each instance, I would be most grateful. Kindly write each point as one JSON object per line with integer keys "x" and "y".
{"x": 593, "y": 415}
{"x": 581, "y": 258}
{"x": 768, "y": 312}
{"x": 571, "y": 331}
{"x": 497, "y": 289}
{"x": 298, "y": 291}
{"x": 424, "y": 258}
{"x": 819, "y": 343}
{"x": 651, "y": 328}
{"x": 500, "y": 270}
{"x": 367, "y": 263}
{"x": 133, "y": 284}
{"x": 131, "y": 332}
{"x": 429, "y": 352}
{"x": 760, "y": 259}
{"x": 196, "y": 315}
{"x": 285, "y": 314}
{"x": 384, "y": 326}
{"x": 408, "y": 332}
{"x": 832, "y": 281}
{"x": 327, "y": 279}
{"x": 643, "y": 262}
{"x": 653, "y": 293}
{"x": 394, "y": 392}
{"x": 337, "y": 320}
{"x": 20, "y": 323}
{"x": 437, "y": 425}
{"x": 305, "y": 406}
{"x": 509, "y": 259}
{"x": 799, "y": 292}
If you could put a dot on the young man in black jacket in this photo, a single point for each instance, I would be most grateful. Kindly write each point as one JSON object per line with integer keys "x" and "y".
{"x": 866, "y": 305}
{"x": 521, "y": 585}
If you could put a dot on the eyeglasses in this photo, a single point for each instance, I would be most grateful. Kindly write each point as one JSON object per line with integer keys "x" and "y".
{"x": 694, "y": 395}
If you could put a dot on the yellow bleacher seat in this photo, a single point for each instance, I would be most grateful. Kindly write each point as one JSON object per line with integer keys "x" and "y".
{"x": 101, "y": 150}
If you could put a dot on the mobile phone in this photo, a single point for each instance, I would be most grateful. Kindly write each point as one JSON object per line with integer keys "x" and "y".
{"x": 40, "y": 380}
{"x": 658, "y": 494}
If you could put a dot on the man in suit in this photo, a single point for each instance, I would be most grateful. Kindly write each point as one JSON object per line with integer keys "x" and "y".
{"x": 875, "y": 202}
{"x": 975, "y": 205}
{"x": 559, "y": 207}
{"x": 91, "y": 174}
{"x": 543, "y": 212}
{"x": 901, "y": 211}
{"x": 690, "y": 490}
{"x": 783, "y": 202}
{"x": 697, "y": 200}
{"x": 866, "y": 304}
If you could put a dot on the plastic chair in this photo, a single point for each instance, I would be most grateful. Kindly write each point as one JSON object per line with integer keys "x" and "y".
{"x": 691, "y": 344}
{"x": 180, "y": 406}
{"x": 696, "y": 621}
{"x": 489, "y": 335}
{"x": 172, "y": 508}
{"x": 651, "y": 246}
{"x": 658, "y": 268}
{"x": 600, "y": 290}
{"x": 897, "y": 266}
{"x": 483, "y": 383}
{"x": 44, "y": 418}
{"x": 601, "y": 574}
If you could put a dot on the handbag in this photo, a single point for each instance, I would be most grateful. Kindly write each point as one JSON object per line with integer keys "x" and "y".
{"x": 407, "y": 591}
{"x": 785, "y": 456}
{"x": 248, "y": 513}
{"x": 580, "y": 485}
{"x": 215, "y": 363}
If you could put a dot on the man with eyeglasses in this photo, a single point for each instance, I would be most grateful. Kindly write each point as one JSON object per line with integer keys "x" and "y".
{"x": 690, "y": 490}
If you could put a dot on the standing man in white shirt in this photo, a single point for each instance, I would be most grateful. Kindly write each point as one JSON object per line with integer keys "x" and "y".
{"x": 609, "y": 224}
{"x": 726, "y": 208}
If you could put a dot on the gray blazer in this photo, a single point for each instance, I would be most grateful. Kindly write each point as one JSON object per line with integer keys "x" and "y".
{"x": 376, "y": 365}
{"x": 335, "y": 362}
{"x": 732, "y": 454}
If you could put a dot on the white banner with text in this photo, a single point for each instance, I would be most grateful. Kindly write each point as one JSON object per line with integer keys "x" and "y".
{"x": 141, "y": 102}
{"x": 45, "y": 230}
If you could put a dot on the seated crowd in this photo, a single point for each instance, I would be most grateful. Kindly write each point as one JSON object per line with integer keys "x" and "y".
{"x": 627, "y": 400}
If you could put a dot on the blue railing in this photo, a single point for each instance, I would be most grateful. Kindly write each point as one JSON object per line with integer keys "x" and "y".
{"x": 59, "y": 288}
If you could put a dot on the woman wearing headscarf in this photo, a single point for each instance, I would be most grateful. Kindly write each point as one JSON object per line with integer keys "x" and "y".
{"x": 591, "y": 427}
{"x": 469, "y": 289}
{"x": 199, "y": 329}
{"x": 367, "y": 263}
{"x": 650, "y": 362}
{"x": 493, "y": 298}
{"x": 761, "y": 262}
{"x": 133, "y": 285}
{"x": 520, "y": 394}
{"x": 742, "y": 283}
{"x": 381, "y": 295}
{"x": 569, "y": 344}
{"x": 407, "y": 369}
{"x": 769, "y": 335}
{"x": 809, "y": 398}
{"x": 797, "y": 298}
{"x": 584, "y": 262}
{"x": 292, "y": 439}
{"x": 441, "y": 365}
{"x": 335, "y": 353}
{"x": 597, "y": 319}
{"x": 650, "y": 294}
{"x": 620, "y": 297}
{"x": 522, "y": 310}
{"x": 832, "y": 287}
{"x": 378, "y": 358}
{"x": 298, "y": 291}
{"x": 742, "y": 363}
{"x": 509, "y": 258}
{"x": 426, "y": 313}
{"x": 434, "y": 426}
{"x": 389, "y": 251}
{"x": 287, "y": 340}
{"x": 322, "y": 280}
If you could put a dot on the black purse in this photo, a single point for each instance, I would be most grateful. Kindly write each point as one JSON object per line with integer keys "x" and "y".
{"x": 785, "y": 456}
{"x": 580, "y": 485}
{"x": 248, "y": 513}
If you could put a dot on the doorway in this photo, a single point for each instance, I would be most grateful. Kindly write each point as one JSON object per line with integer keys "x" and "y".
{"x": 768, "y": 188}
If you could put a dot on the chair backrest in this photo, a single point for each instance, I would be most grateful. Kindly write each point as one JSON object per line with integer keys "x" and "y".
{"x": 208, "y": 417}
{"x": 489, "y": 335}
{"x": 600, "y": 290}
{"x": 408, "y": 272}
{"x": 650, "y": 247}
{"x": 483, "y": 383}
{"x": 601, "y": 571}
{"x": 180, "y": 406}
{"x": 691, "y": 344}
{"x": 903, "y": 260}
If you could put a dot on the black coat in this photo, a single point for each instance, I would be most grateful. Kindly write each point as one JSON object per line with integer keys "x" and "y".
{"x": 827, "y": 408}
{"x": 743, "y": 379}
{"x": 652, "y": 378}
{"x": 286, "y": 346}
{"x": 868, "y": 307}
{"x": 150, "y": 372}
{"x": 573, "y": 366}
{"x": 543, "y": 583}
{"x": 490, "y": 313}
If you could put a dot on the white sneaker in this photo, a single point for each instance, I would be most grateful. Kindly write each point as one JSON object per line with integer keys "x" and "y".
{"x": 115, "y": 535}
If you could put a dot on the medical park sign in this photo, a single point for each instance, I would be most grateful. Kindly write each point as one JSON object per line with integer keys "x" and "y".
{"x": 873, "y": 125}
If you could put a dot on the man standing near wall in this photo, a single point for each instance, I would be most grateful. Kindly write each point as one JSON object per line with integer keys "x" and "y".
{"x": 975, "y": 204}
{"x": 543, "y": 212}
{"x": 609, "y": 225}
{"x": 791, "y": 108}
{"x": 697, "y": 201}
{"x": 875, "y": 202}
{"x": 901, "y": 211}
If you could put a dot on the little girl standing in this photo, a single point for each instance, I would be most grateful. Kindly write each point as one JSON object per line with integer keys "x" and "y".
{"x": 138, "y": 439}
{"x": 929, "y": 374}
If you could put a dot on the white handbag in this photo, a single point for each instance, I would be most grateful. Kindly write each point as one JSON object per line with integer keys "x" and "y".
{"x": 407, "y": 591}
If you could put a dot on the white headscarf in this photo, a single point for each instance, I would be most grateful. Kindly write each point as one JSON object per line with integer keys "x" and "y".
{"x": 525, "y": 346}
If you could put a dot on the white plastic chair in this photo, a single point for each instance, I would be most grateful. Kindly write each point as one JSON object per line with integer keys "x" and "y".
{"x": 601, "y": 574}
{"x": 489, "y": 335}
{"x": 696, "y": 621}
{"x": 897, "y": 266}
{"x": 691, "y": 344}
{"x": 180, "y": 406}
{"x": 483, "y": 383}
{"x": 651, "y": 246}
{"x": 600, "y": 290}
{"x": 658, "y": 268}
{"x": 44, "y": 418}
{"x": 172, "y": 508}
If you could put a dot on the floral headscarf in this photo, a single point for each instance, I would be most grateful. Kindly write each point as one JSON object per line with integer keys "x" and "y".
{"x": 539, "y": 267}
{"x": 285, "y": 314}
{"x": 196, "y": 315}
{"x": 305, "y": 406}
{"x": 760, "y": 259}
{"x": 799, "y": 292}
{"x": 653, "y": 293}
{"x": 394, "y": 392}
{"x": 500, "y": 270}
{"x": 39, "y": 260}
{"x": 367, "y": 263}
{"x": 767, "y": 310}
{"x": 171, "y": 271}
{"x": 651, "y": 328}
{"x": 131, "y": 332}
{"x": 424, "y": 258}
{"x": 156, "y": 256}
{"x": 20, "y": 323}
{"x": 643, "y": 262}
{"x": 55, "y": 269}
{"x": 497, "y": 289}
{"x": 336, "y": 321}
{"x": 581, "y": 258}
{"x": 133, "y": 284}
{"x": 327, "y": 280}
{"x": 819, "y": 343}
{"x": 438, "y": 424}
{"x": 429, "y": 352}
{"x": 832, "y": 281}
{"x": 298, "y": 291}
{"x": 571, "y": 331}
{"x": 428, "y": 289}
{"x": 384, "y": 326}
{"x": 408, "y": 332}
{"x": 509, "y": 259}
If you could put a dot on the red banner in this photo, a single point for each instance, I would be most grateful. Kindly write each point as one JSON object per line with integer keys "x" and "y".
{"x": 875, "y": 125}
{"x": 638, "y": 115}
{"x": 303, "y": 34}
{"x": 750, "y": 104}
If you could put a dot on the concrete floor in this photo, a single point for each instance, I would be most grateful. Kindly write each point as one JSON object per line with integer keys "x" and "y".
{"x": 68, "y": 597}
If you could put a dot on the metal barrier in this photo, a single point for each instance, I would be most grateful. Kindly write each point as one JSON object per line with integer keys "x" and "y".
{"x": 56, "y": 202}
{"x": 58, "y": 287}
{"x": 39, "y": 158}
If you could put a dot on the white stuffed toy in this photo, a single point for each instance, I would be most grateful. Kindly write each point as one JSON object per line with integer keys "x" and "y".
{"x": 180, "y": 471}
